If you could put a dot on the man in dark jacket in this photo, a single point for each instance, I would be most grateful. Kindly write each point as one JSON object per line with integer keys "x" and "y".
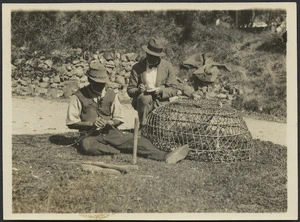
{"x": 95, "y": 111}
{"x": 152, "y": 81}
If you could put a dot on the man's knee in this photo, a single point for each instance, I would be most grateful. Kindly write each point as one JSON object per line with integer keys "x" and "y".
{"x": 92, "y": 146}
{"x": 145, "y": 99}
{"x": 86, "y": 146}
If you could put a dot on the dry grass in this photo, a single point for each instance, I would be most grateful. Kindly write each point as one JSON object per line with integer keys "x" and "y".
{"x": 257, "y": 62}
{"x": 45, "y": 180}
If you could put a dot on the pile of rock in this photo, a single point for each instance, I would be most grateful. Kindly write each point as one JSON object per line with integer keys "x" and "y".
{"x": 224, "y": 91}
{"x": 207, "y": 79}
{"x": 63, "y": 73}
{"x": 218, "y": 90}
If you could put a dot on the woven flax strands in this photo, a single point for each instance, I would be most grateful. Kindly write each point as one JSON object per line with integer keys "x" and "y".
{"x": 214, "y": 133}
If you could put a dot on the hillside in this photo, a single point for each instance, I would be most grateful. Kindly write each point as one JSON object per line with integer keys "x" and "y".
{"x": 60, "y": 40}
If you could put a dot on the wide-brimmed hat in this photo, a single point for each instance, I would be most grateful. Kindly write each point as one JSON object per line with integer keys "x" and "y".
{"x": 154, "y": 47}
{"x": 97, "y": 72}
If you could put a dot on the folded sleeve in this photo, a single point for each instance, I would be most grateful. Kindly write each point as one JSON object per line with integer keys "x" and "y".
{"x": 74, "y": 111}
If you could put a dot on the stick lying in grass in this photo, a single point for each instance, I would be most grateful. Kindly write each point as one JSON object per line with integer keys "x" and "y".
{"x": 121, "y": 168}
{"x": 92, "y": 168}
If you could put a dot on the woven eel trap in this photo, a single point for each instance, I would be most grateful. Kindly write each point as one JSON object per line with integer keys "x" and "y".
{"x": 213, "y": 133}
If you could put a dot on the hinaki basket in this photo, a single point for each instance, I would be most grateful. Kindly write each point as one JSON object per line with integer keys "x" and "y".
{"x": 213, "y": 132}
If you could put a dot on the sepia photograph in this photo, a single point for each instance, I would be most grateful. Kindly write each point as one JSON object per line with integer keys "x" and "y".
{"x": 153, "y": 111}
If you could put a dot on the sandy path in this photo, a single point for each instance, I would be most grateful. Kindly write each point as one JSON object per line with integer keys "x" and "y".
{"x": 267, "y": 131}
{"x": 38, "y": 116}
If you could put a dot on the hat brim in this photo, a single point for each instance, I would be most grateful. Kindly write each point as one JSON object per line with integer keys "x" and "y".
{"x": 106, "y": 80}
{"x": 145, "y": 48}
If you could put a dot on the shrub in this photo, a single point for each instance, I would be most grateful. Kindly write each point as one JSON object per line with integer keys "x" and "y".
{"x": 251, "y": 105}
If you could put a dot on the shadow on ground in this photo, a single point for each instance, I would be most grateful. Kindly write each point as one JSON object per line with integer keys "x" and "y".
{"x": 60, "y": 139}
{"x": 68, "y": 139}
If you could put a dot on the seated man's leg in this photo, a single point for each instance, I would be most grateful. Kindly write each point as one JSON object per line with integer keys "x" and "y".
{"x": 125, "y": 144}
{"x": 144, "y": 147}
{"x": 144, "y": 107}
{"x": 94, "y": 145}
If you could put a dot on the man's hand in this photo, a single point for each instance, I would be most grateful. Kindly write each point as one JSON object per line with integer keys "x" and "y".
{"x": 141, "y": 88}
{"x": 100, "y": 123}
{"x": 159, "y": 90}
{"x": 110, "y": 122}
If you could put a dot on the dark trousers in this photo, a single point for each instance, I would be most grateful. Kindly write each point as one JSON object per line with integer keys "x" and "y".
{"x": 145, "y": 105}
{"x": 114, "y": 143}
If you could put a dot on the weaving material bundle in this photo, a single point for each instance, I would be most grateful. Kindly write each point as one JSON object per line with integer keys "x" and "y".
{"x": 213, "y": 132}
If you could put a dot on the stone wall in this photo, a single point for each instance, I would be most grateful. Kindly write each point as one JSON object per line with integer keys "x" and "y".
{"x": 39, "y": 76}
{"x": 65, "y": 72}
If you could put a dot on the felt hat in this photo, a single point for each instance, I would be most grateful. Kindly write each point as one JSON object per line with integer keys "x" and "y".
{"x": 97, "y": 72}
{"x": 154, "y": 47}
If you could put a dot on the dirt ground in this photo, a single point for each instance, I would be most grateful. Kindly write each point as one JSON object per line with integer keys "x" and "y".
{"x": 38, "y": 116}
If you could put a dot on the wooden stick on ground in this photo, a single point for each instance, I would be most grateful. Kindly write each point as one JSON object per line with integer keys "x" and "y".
{"x": 135, "y": 140}
{"x": 92, "y": 168}
{"x": 122, "y": 168}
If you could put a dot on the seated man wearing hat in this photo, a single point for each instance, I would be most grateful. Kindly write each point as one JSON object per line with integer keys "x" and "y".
{"x": 95, "y": 111}
{"x": 152, "y": 81}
